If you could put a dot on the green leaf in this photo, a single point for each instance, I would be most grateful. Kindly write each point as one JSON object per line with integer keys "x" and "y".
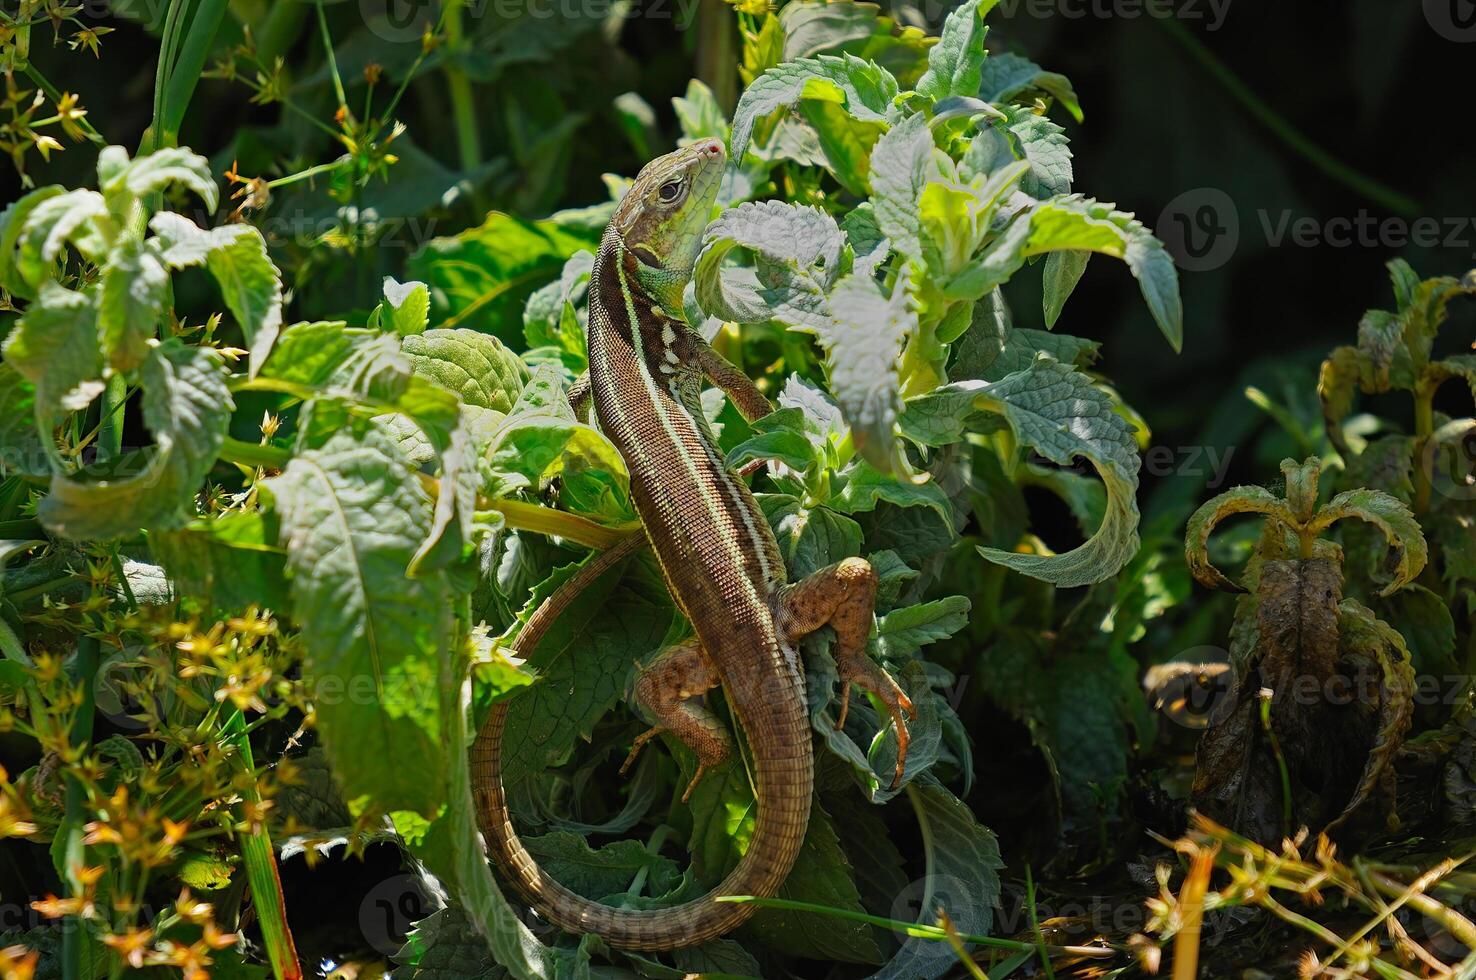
{"x": 699, "y": 114}
{"x": 1393, "y": 518}
{"x": 476, "y": 366}
{"x": 236, "y": 256}
{"x": 1240, "y": 500}
{"x": 135, "y": 289}
{"x": 903, "y": 632}
{"x": 308, "y": 352}
{"x": 446, "y": 946}
{"x": 54, "y": 346}
{"x": 796, "y": 252}
{"x": 120, "y": 179}
{"x": 13, "y": 221}
{"x": 1006, "y": 76}
{"x": 993, "y": 348}
{"x": 845, "y": 141}
{"x": 1082, "y": 224}
{"x": 963, "y": 866}
{"x": 1042, "y": 144}
{"x": 809, "y": 537}
{"x": 1063, "y": 270}
{"x": 863, "y": 88}
{"x": 954, "y": 63}
{"x": 79, "y": 217}
{"x": 862, "y": 340}
{"x": 187, "y": 406}
{"x": 1057, "y": 411}
{"x": 864, "y": 487}
{"x": 21, "y": 448}
{"x": 604, "y": 872}
{"x": 901, "y": 164}
{"x": 582, "y": 664}
{"x": 232, "y": 561}
{"x": 482, "y": 277}
{"x": 352, "y": 517}
{"x": 407, "y": 306}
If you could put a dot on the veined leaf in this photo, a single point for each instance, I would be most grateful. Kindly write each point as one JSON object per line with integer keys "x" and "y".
{"x": 1005, "y": 76}
{"x": 901, "y": 163}
{"x": 236, "y": 256}
{"x": 21, "y": 448}
{"x": 135, "y": 287}
{"x": 232, "y": 561}
{"x": 54, "y": 346}
{"x": 863, "y": 88}
{"x": 352, "y": 517}
{"x": 79, "y": 217}
{"x": 13, "y": 221}
{"x": 796, "y": 252}
{"x": 186, "y": 405}
{"x": 862, "y": 340}
{"x": 476, "y": 366}
{"x": 963, "y": 866}
{"x": 954, "y": 63}
{"x": 1240, "y": 500}
{"x": 1059, "y": 413}
{"x": 121, "y": 179}
{"x": 1394, "y": 520}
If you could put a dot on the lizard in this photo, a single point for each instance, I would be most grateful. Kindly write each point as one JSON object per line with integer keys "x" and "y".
{"x": 719, "y": 559}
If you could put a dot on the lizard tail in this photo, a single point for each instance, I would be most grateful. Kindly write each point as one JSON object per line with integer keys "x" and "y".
{"x": 784, "y": 787}
{"x": 783, "y": 770}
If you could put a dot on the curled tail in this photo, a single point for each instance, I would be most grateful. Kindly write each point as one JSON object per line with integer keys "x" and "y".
{"x": 783, "y": 770}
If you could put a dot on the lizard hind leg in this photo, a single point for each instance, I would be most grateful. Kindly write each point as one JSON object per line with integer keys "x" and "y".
{"x": 842, "y": 596}
{"x": 670, "y": 688}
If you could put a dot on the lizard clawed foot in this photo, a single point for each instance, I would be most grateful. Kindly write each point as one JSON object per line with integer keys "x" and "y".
{"x": 637, "y": 745}
{"x": 860, "y": 670}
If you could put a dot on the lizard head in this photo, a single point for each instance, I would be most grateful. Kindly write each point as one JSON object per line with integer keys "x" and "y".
{"x": 662, "y": 216}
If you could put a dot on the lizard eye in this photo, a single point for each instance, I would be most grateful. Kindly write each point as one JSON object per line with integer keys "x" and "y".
{"x": 669, "y": 191}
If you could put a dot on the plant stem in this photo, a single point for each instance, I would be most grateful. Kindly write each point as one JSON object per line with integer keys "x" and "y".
{"x": 328, "y": 53}
{"x": 463, "y": 106}
{"x": 1283, "y": 129}
{"x": 261, "y": 866}
{"x": 110, "y": 429}
{"x": 74, "y": 935}
{"x": 1424, "y": 417}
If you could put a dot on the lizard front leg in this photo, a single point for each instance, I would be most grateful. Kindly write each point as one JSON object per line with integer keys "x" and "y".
{"x": 843, "y": 596}
{"x": 669, "y": 688}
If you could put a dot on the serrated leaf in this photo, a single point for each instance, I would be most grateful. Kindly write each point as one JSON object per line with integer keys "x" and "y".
{"x": 962, "y": 878}
{"x": 954, "y": 63}
{"x": 699, "y": 114}
{"x": 187, "y": 406}
{"x": 993, "y": 348}
{"x": 809, "y": 538}
{"x": 1059, "y": 413}
{"x": 796, "y": 252}
{"x": 308, "y": 352}
{"x": 598, "y": 873}
{"x": 903, "y": 632}
{"x": 1043, "y": 145}
{"x": 862, "y": 339}
{"x": 863, "y": 487}
{"x": 901, "y": 163}
{"x": 1005, "y": 76}
{"x": 21, "y": 449}
{"x": 476, "y": 366}
{"x": 1240, "y": 500}
{"x": 54, "y": 346}
{"x": 863, "y": 88}
{"x": 155, "y": 172}
{"x": 1063, "y": 270}
{"x": 1392, "y": 517}
{"x": 353, "y": 515}
{"x": 73, "y": 216}
{"x": 135, "y": 288}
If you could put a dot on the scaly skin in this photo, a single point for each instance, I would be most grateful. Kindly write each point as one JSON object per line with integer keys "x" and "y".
{"x": 719, "y": 559}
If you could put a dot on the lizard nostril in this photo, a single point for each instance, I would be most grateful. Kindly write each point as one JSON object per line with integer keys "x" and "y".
{"x": 712, "y": 148}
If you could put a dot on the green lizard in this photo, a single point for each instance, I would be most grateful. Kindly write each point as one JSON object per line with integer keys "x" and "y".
{"x": 719, "y": 559}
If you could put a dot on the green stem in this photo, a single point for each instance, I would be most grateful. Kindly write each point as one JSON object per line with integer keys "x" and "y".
{"x": 110, "y": 430}
{"x": 260, "y": 861}
{"x": 1286, "y": 789}
{"x": 1424, "y": 412}
{"x": 328, "y": 52}
{"x": 463, "y": 106}
{"x": 184, "y": 73}
{"x": 74, "y": 935}
{"x": 1283, "y": 129}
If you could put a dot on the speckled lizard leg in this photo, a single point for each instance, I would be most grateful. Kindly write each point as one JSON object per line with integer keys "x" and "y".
{"x": 669, "y": 688}
{"x": 843, "y": 595}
